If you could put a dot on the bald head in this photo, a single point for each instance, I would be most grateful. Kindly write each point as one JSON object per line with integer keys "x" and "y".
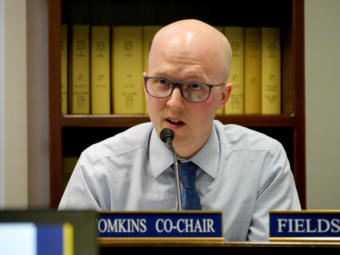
{"x": 188, "y": 51}
{"x": 195, "y": 41}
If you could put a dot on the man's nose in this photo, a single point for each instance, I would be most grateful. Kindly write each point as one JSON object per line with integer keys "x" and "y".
{"x": 176, "y": 100}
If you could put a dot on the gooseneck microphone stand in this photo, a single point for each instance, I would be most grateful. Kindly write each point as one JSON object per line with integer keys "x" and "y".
{"x": 167, "y": 135}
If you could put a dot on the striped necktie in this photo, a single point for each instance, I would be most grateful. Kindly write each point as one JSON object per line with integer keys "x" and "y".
{"x": 187, "y": 174}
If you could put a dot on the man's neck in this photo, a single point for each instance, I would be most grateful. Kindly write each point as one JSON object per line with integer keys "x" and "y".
{"x": 186, "y": 151}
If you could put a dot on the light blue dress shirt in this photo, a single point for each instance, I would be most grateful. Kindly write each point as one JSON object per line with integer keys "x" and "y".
{"x": 243, "y": 173}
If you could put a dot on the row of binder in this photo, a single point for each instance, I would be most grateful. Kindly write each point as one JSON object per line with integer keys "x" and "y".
{"x": 102, "y": 66}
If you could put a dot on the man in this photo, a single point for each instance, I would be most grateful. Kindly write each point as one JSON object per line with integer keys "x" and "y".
{"x": 241, "y": 172}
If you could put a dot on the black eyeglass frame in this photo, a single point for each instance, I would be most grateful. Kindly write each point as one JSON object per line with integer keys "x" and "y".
{"x": 180, "y": 86}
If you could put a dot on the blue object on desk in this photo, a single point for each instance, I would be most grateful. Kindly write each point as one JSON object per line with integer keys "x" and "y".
{"x": 185, "y": 224}
{"x": 305, "y": 224}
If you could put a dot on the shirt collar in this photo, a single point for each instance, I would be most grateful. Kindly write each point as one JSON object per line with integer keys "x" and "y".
{"x": 207, "y": 158}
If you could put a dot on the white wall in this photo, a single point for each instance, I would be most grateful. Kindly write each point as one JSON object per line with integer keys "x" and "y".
{"x": 2, "y": 89}
{"x": 13, "y": 136}
{"x": 37, "y": 84}
{"x": 24, "y": 145}
{"x": 322, "y": 67}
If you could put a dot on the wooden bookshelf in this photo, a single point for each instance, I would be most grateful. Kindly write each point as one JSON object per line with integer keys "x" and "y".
{"x": 131, "y": 120}
{"x": 288, "y": 128}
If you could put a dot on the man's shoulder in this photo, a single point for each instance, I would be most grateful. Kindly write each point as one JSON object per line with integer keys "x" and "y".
{"x": 242, "y": 138}
{"x": 128, "y": 141}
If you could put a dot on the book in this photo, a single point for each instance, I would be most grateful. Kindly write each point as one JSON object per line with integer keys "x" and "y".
{"x": 69, "y": 163}
{"x": 64, "y": 84}
{"x": 68, "y": 239}
{"x": 50, "y": 239}
{"x": 252, "y": 93}
{"x": 235, "y": 104}
{"x": 100, "y": 70}
{"x": 36, "y": 239}
{"x": 148, "y": 34}
{"x": 18, "y": 238}
{"x": 220, "y": 111}
{"x": 271, "y": 71}
{"x": 55, "y": 239}
{"x": 80, "y": 74}
{"x": 127, "y": 55}
{"x": 288, "y": 89}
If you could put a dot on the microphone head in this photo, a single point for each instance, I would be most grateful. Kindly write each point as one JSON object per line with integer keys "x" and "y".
{"x": 167, "y": 133}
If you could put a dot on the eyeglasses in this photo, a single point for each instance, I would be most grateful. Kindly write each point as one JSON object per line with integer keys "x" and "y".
{"x": 193, "y": 91}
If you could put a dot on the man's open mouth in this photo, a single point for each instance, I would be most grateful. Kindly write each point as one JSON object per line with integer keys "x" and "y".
{"x": 175, "y": 122}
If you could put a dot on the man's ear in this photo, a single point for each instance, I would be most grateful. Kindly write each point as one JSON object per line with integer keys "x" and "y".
{"x": 226, "y": 91}
{"x": 143, "y": 76}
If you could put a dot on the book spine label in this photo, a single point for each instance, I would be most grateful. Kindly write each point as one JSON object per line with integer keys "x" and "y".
{"x": 271, "y": 71}
{"x": 100, "y": 70}
{"x": 80, "y": 70}
{"x": 128, "y": 93}
{"x": 252, "y": 70}
{"x": 235, "y": 104}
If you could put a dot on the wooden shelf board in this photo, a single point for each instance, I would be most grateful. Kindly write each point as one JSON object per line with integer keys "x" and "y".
{"x": 131, "y": 120}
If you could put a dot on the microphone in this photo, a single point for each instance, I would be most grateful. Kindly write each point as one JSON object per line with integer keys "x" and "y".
{"x": 167, "y": 135}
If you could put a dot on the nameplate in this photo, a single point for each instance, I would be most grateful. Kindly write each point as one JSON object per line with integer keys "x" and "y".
{"x": 305, "y": 225}
{"x": 161, "y": 225}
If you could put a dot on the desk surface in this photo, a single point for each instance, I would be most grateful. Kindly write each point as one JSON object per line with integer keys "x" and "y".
{"x": 177, "y": 248}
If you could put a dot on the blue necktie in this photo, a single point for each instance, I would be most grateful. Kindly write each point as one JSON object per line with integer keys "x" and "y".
{"x": 187, "y": 174}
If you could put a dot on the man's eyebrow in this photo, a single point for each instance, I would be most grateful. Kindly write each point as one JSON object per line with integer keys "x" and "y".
{"x": 191, "y": 78}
